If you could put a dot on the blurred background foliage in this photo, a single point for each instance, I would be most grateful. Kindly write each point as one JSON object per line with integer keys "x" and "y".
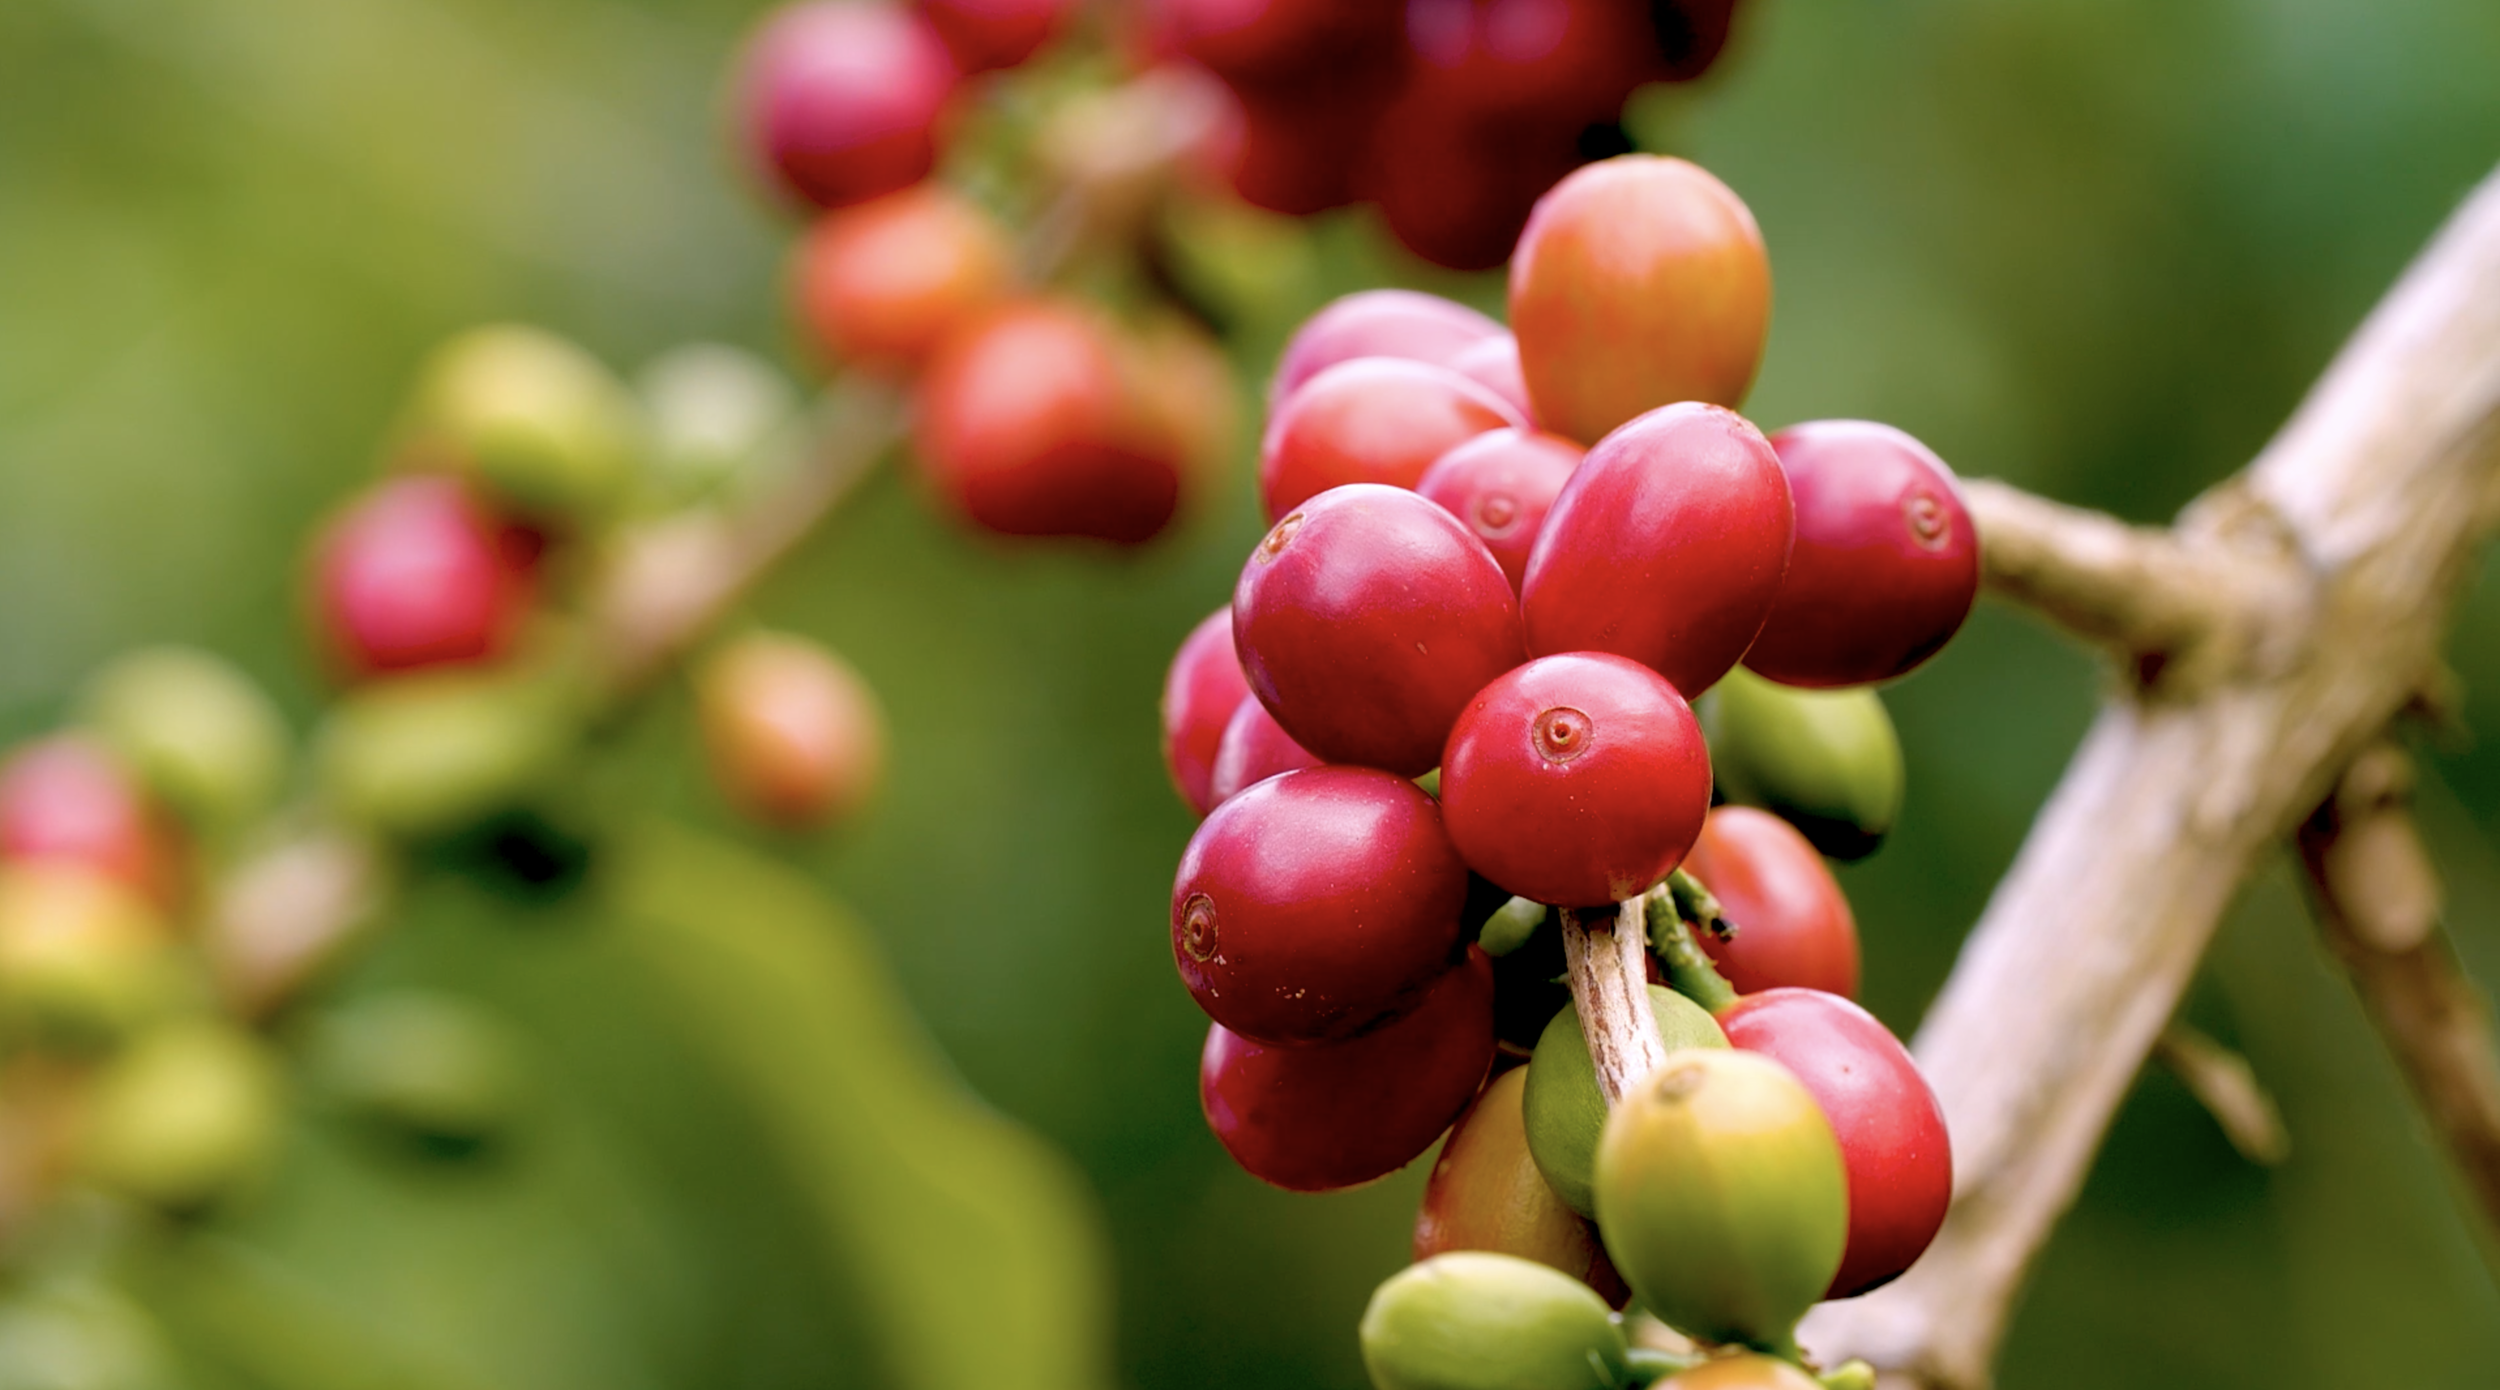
{"x": 2094, "y": 248}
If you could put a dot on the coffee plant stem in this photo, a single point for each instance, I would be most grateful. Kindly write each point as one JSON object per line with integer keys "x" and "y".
{"x": 1610, "y": 988}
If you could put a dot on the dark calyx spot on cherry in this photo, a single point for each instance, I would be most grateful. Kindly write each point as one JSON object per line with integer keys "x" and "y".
{"x": 1198, "y": 927}
{"x": 1562, "y": 733}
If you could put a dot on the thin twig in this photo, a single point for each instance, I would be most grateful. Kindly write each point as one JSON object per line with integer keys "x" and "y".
{"x": 2226, "y": 1085}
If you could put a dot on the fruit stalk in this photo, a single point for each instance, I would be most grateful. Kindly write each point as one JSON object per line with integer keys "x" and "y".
{"x": 1670, "y": 907}
{"x": 1610, "y": 987}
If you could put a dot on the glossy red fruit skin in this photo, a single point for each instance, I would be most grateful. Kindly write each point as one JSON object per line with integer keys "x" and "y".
{"x": 1371, "y": 420}
{"x": 64, "y": 800}
{"x": 1502, "y": 483}
{"x": 1668, "y": 546}
{"x": 1287, "y": 151}
{"x": 985, "y": 35}
{"x": 1886, "y": 562}
{"x": 1406, "y": 324}
{"x": 1028, "y": 426}
{"x": 1315, "y": 1119}
{"x": 1494, "y": 365}
{"x": 1200, "y": 692}
{"x": 1794, "y": 927}
{"x": 1367, "y": 619}
{"x": 1255, "y": 748}
{"x": 1313, "y": 906}
{"x": 1576, "y": 780}
{"x": 882, "y": 284}
{"x": 1891, "y": 1130}
{"x": 844, "y": 98}
{"x": 1456, "y": 187}
{"x": 413, "y": 574}
{"x": 1274, "y": 40}
{"x": 1554, "y": 62}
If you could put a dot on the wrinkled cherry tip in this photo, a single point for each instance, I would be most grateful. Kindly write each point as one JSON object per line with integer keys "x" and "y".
{"x": 1929, "y": 525}
{"x": 1280, "y": 537}
{"x": 1198, "y": 927}
{"x": 1562, "y": 733}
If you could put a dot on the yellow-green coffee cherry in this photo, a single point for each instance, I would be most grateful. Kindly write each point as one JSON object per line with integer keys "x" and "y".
{"x": 1827, "y": 761}
{"x": 538, "y": 423}
{"x": 1721, "y": 1196}
{"x": 72, "y": 1331}
{"x": 83, "y": 958}
{"x": 198, "y": 732}
{"x": 424, "y": 1067}
{"x": 1565, "y": 1110}
{"x": 1473, "y": 1320}
{"x": 186, "y": 1116}
{"x": 720, "y": 417}
{"x": 428, "y": 755}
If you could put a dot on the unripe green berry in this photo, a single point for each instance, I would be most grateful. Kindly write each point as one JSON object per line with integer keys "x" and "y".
{"x": 1564, "y": 1108}
{"x": 426, "y": 1067}
{"x": 427, "y": 755}
{"x": 1474, "y": 1320}
{"x": 188, "y": 1115}
{"x": 540, "y": 425}
{"x": 1827, "y": 761}
{"x": 195, "y": 730}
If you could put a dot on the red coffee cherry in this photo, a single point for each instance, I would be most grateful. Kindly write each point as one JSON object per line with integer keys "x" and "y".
{"x": 880, "y": 285}
{"x": 1200, "y": 693}
{"x": 1667, "y": 546}
{"x": 1314, "y": 1119}
{"x": 843, "y": 98}
{"x": 1456, "y": 185}
{"x": 1287, "y": 151}
{"x": 1640, "y": 281}
{"x": 1406, "y": 324}
{"x": 1566, "y": 63}
{"x": 66, "y": 801}
{"x": 1371, "y": 420}
{"x": 985, "y": 35}
{"x": 1255, "y": 748}
{"x": 1886, "y": 562}
{"x": 1314, "y": 905}
{"x": 1030, "y": 427}
{"x": 1502, "y": 483}
{"x": 796, "y": 738}
{"x": 1280, "y": 40}
{"x": 1891, "y": 1131}
{"x": 1793, "y": 926}
{"x": 414, "y": 574}
{"x": 1576, "y": 780}
{"x": 1486, "y": 1194}
{"x": 1494, "y": 365}
{"x": 1366, "y": 620}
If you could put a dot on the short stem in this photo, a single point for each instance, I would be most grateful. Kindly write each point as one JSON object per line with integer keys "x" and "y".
{"x": 1650, "y": 1363}
{"x": 1610, "y": 988}
{"x": 1689, "y": 968}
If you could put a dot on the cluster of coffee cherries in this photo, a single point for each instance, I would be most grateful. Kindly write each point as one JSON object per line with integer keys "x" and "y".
{"x": 1451, "y": 115}
{"x": 1446, "y": 717}
{"x": 1038, "y": 412}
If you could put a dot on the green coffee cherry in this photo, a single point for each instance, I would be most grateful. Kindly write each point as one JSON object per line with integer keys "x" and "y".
{"x": 1721, "y": 1196}
{"x": 718, "y": 414}
{"x": 198, "y": 733}
{"x": 83, "y": 958}
{"x": 79, "y": 1334}
{"x": 1827, "y": 761}
{"x": 1564, "y": 1108}
{"x": 427, "y": 755}
{"x": 1473, "y": 1320}
{"x": 424, "y": 1067}
{"x": 538, "y": 423}
{"x": 186, "y": 1116}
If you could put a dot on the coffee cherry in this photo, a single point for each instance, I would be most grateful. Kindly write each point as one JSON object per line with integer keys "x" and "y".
{"x": 1576, "y": 780}
{"x": 985, "y": 35}
{"x": 795, "y": 737}
{"x": 1722, "y": 1197}
{"x": 196, "y": 731}
{"x": 1280, "y": 40}
{"x": 1502, "y": 483}
{"x": 1494, "y": 365}
{"x": 1563, "y": 1109}
{"x": 1366, "y": 620}
{"x": 881, "y": 284}
{"x": 1886, "y": 562}
{"x": 1745, "y": 1371}
{"x": 1456, "y": 188}
{"x": 431, "y": 1070}
{"x": 1314, "y": 1119}
{"x": 65, "y": 800}
{"x": 429, "y": 755}
{"x": 1568, "y": 63}
{"x": 84, "y": 959}
{"x": 1255, "y": 748}
{"x": 1312, "y": 906}
{"x": 1825, "y": 761}
{"x": 843, "y": 98}
{"x": 1487, "y": 1194}
{"x": 1029, "y": 427}
{"x": 1405, "y": 324}
{"x": 1371, "y": 420}
{"x": 1474, "y": 1320}
{"x": 1640, "y": 281}
{"x": 187, "y": 1116}
{"x": 540, "y": 427}
{"x": 720, "y": 420}
{"x": 1286, "y": 152}
{"x": 1793, "y": 925}
{"x": 1201, "y": 692}
{"x": 1891, "y": 1130}
{"x": 1667, "y": 545}
{"x": 415, "y": 574}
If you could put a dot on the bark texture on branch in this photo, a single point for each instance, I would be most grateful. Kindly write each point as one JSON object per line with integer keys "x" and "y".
{"x": 2347, "y": 540}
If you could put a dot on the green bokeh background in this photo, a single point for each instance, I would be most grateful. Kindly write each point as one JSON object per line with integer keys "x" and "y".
{"x": 2094, "y": 248}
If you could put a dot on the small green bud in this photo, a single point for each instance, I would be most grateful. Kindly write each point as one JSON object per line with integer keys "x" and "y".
{"x": 426, "y": 755}
{"x": 426, "y": 1067}
{"x": 1565, "y": 1109}
{"x": 198, "y": 732}
{"x": 538, "y": 423}
{"x": 1827, "y": 761}
{"x": 186, "y": 1116}
{"x": 1474, "y": 1320}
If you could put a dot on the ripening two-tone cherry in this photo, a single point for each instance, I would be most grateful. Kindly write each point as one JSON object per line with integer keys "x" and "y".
{"x": 1576, "y": 780}
{"x": 1405, "y": 324}
{"x": 1667, "y": 545}
{"x": 1486, "y": 1193}
{"x": 1312, "y": 906}
{"x": 844, "y": 99}
{"x": 65, "y": 801}
{"x": 1891, "y": 1130}
{"x": 795, "y": 736}
{"x": 1886, "y": 561}
{"x": 1793, "y": 925}
{"x": 1371, "y": 420}
{"x": 1201, "y": 691}
{"x": 1502, "y": 483}
{"x": 1367, "y": 619}
{"x": 880, "y": 285}
{"x": 414, "y": 574}
{"x": 1254, "y": 748}
{"x": 1319, "y": 1118}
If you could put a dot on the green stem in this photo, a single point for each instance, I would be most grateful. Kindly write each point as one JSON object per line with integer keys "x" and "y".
{"x": 1689, "y": 968}
{"x": 1849, "y": 1375}
{"x": 1649, "y": 1363}
{"x": 1698, "y": 907}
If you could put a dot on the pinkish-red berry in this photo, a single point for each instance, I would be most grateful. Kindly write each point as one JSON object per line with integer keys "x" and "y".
{"x": 1502, "y": 483}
